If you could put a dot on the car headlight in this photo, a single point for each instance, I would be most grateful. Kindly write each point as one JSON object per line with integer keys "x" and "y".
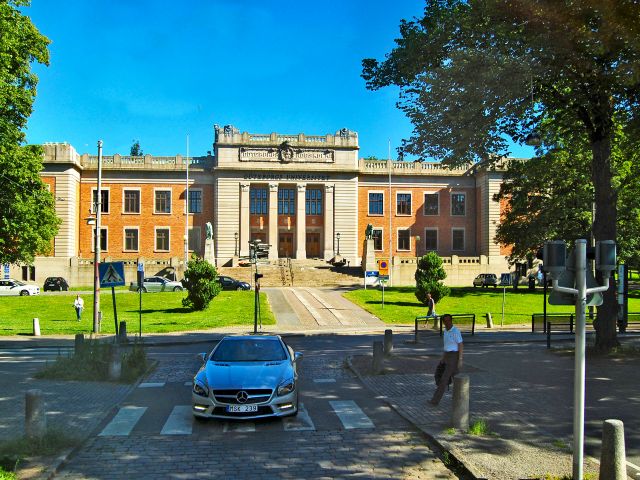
{"x": 286, "y": 387}
{"x": 200, "y": 389}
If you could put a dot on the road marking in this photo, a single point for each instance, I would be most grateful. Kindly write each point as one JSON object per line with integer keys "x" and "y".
{"x": 302, "y": 422}
{"x": 180, "y": 422}
{"x": 350, "y": 414}
{"x": 124, "y": 421}
{"x": 151, "y": 384}
{"x": 324, "y": 380}
{"x": 314, "y": 313}
{"x": 243, "y": 427}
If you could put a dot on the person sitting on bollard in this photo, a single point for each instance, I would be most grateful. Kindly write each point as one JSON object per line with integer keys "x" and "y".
{"x": 451, "y": 357}
{"x": 78, "y": 304}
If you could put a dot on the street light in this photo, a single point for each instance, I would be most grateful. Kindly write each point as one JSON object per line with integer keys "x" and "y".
{"x": 417, "y": 243}
{"x": 235, "y": 236}
{"x": 96, "y": 257}
{"x": 338, "y": 238}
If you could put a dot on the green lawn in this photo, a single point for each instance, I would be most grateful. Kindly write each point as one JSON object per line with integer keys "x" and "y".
{"x": 401, "y": 305}
{"x": 161, "y": 312}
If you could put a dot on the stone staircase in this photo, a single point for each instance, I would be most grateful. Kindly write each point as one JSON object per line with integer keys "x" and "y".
{"x": 298, "y": 273}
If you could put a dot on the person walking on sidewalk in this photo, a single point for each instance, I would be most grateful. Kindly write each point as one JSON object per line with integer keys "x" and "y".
{"x": 451, "y": 357}
{"x": 78, "y": 304}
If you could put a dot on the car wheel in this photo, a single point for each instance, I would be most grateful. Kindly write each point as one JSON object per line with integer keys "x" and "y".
{"x": 24, "y": 293}
{"x": 177, "y": 289}
{"x": 475, "y": 286}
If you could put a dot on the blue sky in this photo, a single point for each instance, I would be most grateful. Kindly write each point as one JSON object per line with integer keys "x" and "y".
{"x": 159, "y": 70}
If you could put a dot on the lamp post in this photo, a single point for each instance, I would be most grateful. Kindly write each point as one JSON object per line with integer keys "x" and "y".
{"x": 235, "y": 237}
{"x": 96, "y": 257}
{"x": 417, "y": 244}
{"x": 338, "y": 238}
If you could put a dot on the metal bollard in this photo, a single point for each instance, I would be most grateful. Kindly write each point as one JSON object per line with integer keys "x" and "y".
{"x": 36, "y": 327}
{"x": 460, "y": 412}
{"x": 378, "y": 357}
{"x": 388, "y": 342}
{"x": 612, "y": 456}
{"x": 489, "y": 320}
{"x": 35, "y": 416}
{"x": 115, "y": 363}
{"x": 122, "y": 332}
{"x": 79, "y": 343}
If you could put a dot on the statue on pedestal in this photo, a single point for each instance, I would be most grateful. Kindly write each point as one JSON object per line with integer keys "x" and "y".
{"x": 368, "y": 233}
{"x": 209, "y": 230}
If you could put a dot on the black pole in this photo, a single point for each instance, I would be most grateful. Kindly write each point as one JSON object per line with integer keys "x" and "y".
{"x": 544, "y": 301}
{"x": 140, "y": 309}
{"x": 115, "y": 311}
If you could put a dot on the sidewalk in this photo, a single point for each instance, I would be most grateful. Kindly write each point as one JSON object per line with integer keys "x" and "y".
{"x": 522, "y": 390}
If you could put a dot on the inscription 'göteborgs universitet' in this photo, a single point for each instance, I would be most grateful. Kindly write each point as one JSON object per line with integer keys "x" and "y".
{"x": 286, "y": 176}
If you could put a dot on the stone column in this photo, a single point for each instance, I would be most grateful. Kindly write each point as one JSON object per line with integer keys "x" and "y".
{"x": 301, "y": 222}
{"x": 272, "y": 238}
{"x": 244, "y": 219}
{"x": 328, "y": 222}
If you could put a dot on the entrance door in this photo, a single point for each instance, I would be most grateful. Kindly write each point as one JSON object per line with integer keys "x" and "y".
{"x": 313, "y": 245}
{"x": 285, "y": 245}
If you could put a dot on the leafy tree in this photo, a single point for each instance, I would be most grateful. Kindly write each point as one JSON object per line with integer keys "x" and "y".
{"x": 200, "y": 281}
{"x": 136, "y": 151}
{"x": 28, "y": 222}
{"x": 475, "y": 73}
{"x": 428, "y": 278}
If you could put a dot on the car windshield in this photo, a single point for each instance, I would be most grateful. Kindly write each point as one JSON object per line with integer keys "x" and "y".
{"x": 249, "y": 350}
{"x": 19, "y": 283}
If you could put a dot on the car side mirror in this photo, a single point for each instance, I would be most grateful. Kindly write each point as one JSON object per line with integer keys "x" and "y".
{"x": 298, "y": 356}
{"x": 202, "y": 357}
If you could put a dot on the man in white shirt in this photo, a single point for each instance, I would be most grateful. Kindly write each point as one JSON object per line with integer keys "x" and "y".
{"x": 451, "y": 357}
{"x": 78, "y": 304}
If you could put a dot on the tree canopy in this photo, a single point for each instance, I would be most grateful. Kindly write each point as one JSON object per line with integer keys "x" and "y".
{"x": 28, "y": 222}
{"x": 474, "y": 74}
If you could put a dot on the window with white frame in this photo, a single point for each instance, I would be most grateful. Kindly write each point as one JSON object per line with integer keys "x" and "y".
{"x": 404, "y": 239}
{"x": 131, "y": 199}
{"x": 195, "y": 239}
{"x": 403, "y": 204}
{"x": 104, "y": 200}
{"x": 457, "y": 239}
{"x": 458, "y": 201}
{"x": 104, "y": 237}
{"x": 376, "y": 203}
{"x": 131, "y": 239}
{"x": 431, "y": 239}
{"x": 376, "y": 233}
{"x": 431, "y": 204}
{"x": 162, "y": 239}
{"x": 162, "y": 202}
{"x": 195, "y": 201}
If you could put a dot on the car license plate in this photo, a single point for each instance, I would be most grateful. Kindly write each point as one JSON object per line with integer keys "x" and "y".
{"x": 242, "y": 408}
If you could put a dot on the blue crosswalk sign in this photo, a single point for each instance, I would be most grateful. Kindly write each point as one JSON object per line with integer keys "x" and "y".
{"x": 111, "y": 274}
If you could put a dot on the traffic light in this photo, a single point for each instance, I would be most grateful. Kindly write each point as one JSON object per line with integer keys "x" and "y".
{"x": 257, "y": 276}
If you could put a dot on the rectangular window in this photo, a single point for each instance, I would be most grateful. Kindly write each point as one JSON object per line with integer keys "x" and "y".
{"x": 103, "y": 240}
{"x": 286, "y": 201}
{"x": 458, "y": 204}
{"x": 431, "y": 239}
{"x": 104, "y": 202}
{"x": 131, "y": 239}
{"x": 404, "y": 239}
{"x": 258, "y": 204}
{"x": 403, "y": 204}
{"x": 194, "y": 239}
{"x": 195, "y": 201}
{"x": 376, "y": 203}
{"x": 313, "y": 201}
{"x": 431, "y": 204}
{"x": 162, "y": 201}
{"x": 457, "y": 239}
{"x": 377, "y": 238}
{"x": 162, "y": 239}
{"x": 131, "y": 201}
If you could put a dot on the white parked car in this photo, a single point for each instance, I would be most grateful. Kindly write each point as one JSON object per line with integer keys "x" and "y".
{"x": 16, "y": 287}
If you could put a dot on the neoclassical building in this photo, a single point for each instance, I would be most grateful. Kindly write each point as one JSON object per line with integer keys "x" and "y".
{"x": 308, "y": 196}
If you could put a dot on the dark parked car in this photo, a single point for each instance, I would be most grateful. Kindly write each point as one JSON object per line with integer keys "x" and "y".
{"x": 486, "y": 280}
{"x": 55, "y": 284}
{"x": 229, "y": 283}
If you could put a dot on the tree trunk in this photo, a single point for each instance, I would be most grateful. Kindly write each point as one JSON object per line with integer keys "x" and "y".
{"x": 604, "y": 228}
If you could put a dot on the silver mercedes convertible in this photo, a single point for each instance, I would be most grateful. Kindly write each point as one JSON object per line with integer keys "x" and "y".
{"x": 247, "y": 377}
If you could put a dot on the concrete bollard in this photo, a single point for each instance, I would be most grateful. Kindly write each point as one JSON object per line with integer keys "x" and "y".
{"x": 489, "y": 320}
{"x": 36, "y": 327}
{"x": 78, "y": 345}
{"x": 35, "y": 415}
{"x": 612, "y": 456}
{"x": 460, "y": 412}
{"x": 436, "y": 322}
{"x": 378, "y": 357}
{"x": 388, "y": 342}
{"x": 115, "y": 363}
{"x": 122, "y": 332}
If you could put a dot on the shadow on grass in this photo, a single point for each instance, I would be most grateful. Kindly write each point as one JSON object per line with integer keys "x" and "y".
{"x": 179, "y": 310}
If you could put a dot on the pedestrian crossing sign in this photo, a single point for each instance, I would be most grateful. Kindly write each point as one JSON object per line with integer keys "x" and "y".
{"x": 111, "y": 274}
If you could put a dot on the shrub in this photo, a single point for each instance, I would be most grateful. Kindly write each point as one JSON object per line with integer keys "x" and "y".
{"x": 428, "y": 278}
{"x": 200, "y": 282}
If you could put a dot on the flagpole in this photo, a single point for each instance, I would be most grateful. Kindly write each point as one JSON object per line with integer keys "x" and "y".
{"x": 390, "y": 218}
{"x": 186, "y": 223}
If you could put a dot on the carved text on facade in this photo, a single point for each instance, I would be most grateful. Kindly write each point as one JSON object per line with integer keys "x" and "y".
{"x": 292, "y": 155}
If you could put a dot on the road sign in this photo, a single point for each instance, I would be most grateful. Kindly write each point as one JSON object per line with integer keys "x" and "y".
{"x": 111, "y": 274}
{"x": 141, "y": 267}
{"x": 371, "y": 273}
{"x": 6, "y": 271}
{"x": 383, "y": 267}
{"x": 383, "y": 278}
{"x": 505, "y": 279}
